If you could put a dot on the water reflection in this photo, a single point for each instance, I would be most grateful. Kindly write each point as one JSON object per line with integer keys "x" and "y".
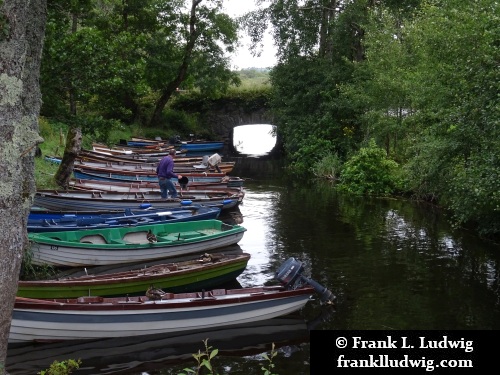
{"x": 149, "y": 352}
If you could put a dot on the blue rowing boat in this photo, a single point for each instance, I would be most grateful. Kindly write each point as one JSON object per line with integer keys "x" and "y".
{"x": 201, "y": 146}
{"x": 49, "y": 221}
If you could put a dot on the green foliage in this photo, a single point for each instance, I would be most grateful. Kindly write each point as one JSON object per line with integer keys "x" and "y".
{"x": 270, "y": 365}
{"x": 203, "y": 360}
{"x": 369, "y": 171}
{"x": 174, "y": 122}
{"x": 31, "y": 272}
{"x": 118, "y": 61}
{"x": 248, "y": 99}
{"x": 45, "y": 171}
{"x": 253, "y": 78}
{"x": 307, "y": 110}
{"x": 328, "y": 167}
{"x": 54, "y": 138}
{"x": 474, "y": 193}
{"x": 62, "y": 367}
{"x": 456, "y": 142}
{"x": 418, "y": 77}
{"x": 98, "y": 128}
{"x": 311, "y": 151}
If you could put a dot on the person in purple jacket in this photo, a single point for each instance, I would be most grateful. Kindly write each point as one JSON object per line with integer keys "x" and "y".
{"x": 165, "y": 172}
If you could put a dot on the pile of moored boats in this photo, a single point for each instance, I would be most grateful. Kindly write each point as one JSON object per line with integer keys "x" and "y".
{"x": 131, "y": 263}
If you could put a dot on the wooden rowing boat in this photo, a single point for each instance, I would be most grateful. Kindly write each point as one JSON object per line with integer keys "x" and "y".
{"x": 91, "y": 317}
{"x": 145, "y": 167}
{"x": 85, "y": 200}
{"x": 209, "y": 189}
{"x": 207, "y": 271}
{"x": 194, "y": 178}
{"x": 106, "y": 246}
{"x": 43, "y": 221}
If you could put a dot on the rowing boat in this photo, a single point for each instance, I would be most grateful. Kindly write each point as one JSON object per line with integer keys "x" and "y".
{"x": 206, "y": 271}
{"x": 106, "y": 246}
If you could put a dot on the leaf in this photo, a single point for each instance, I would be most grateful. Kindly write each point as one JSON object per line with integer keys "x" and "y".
{"x": 214, "y": 353}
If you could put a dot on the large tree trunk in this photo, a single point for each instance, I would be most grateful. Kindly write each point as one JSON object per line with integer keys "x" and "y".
{"x": 71, "y": 151}
{"x": 22, "y": 30}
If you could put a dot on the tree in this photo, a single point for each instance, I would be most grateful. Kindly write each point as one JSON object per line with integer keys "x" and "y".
{"x": 22, "y": 30}
{"x": 194, "y": 53}
{"x": 122, "y": 55}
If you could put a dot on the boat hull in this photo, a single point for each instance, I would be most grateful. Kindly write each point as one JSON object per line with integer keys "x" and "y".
{"x": 54, "y": 222}
{"x": 96, "y": 247}
{"x": 79, "y": 173}
{"x": 80, "y": 200}
{"x": 209, "y": 146}
{"x": 41, "y": 320}
{"x": 203, "y": 273}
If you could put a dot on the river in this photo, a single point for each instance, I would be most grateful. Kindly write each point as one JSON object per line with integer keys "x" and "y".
{"x": 391, "y": 264}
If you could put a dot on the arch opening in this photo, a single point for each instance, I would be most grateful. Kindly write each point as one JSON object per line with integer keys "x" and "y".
{"x": 254, "y": 139}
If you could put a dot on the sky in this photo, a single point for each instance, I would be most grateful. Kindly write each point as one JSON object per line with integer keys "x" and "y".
{"x": 243, "y": 59}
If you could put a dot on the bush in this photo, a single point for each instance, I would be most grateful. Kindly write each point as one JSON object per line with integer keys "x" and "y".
{"x": 369, "y": 171}
{"x": 62, "y": 367}
{"x": 328, "y": 167}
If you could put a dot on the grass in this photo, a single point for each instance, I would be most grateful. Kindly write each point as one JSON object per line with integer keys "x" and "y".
{"x": 54, "y": 135}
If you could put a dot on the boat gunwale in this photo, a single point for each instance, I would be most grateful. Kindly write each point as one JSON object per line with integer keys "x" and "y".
{"x": 171, "y": 302}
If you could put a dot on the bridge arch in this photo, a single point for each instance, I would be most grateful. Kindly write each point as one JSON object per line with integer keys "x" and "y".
{"x": 222, "y": 124}
{"x": 221, "y": 116}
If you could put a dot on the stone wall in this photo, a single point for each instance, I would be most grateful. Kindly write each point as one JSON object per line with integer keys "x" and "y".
{"x": 222, "y": 121}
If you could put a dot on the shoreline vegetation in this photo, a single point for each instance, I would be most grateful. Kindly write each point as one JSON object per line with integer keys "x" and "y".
{"x": 395, "y": 104}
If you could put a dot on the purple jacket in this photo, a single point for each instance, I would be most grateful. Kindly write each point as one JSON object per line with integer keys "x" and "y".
{"x": 165, "y": 168}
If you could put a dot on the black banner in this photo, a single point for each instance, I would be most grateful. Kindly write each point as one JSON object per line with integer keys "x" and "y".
{"x": 425, "y": 352}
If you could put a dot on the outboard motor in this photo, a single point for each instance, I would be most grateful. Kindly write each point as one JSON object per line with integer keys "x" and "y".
{"x": 290, "y": 275}
{"x": 175, "y": 140}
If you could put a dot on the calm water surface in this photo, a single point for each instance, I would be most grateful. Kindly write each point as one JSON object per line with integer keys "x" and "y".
{"x": 392, "y": 265}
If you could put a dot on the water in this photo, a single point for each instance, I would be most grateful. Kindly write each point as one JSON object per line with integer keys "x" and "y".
{"x": 392, "y": 265}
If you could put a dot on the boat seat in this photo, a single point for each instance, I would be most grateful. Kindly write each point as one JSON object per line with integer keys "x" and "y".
{"x": 186, "y": 295}
{"x": 186, "y": 235}
{"x": 89, "y": 221}
{"x": 136, "y": 237}
{"x": 118, "y": 241}
{"x": 89, "y": 299}
{"x": 93, "y": 238}
{"x": 167, "y": 238}
{"x": 96, "y": 194}
{"x": 67, "y": 220}
{"x": 218, "y": 292}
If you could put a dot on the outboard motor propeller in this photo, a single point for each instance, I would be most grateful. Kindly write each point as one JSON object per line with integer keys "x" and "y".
{"x": 290, "y": 275}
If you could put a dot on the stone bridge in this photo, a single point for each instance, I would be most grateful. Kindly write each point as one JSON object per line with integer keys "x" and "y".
{"x": 221, "y": 116}
{"x": 222, "y": 121}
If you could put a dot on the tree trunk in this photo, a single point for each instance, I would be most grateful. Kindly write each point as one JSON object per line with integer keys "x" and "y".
{"x": 170, "y": 88}
{"x": 71, "y": 151}
{"x": 22, "y": 30}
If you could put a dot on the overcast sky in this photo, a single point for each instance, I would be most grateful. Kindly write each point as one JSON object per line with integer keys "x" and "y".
{"x": 243, "y": 59}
